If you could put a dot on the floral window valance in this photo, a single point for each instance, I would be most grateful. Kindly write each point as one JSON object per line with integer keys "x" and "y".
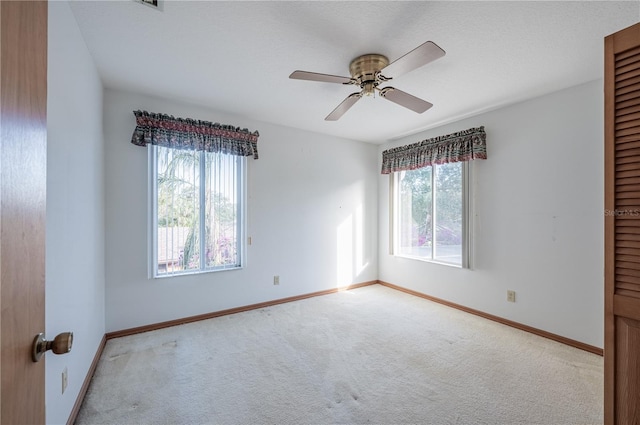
{"x": 465, "y": 145}
{"x": 186, "y": 133}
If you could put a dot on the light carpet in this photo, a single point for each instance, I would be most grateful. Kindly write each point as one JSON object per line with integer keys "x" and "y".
{"x": 370, "y": 355}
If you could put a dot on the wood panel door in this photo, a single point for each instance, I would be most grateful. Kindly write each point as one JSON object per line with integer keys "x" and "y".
{"x": 23, "y": 103}
{"x": 622, "y": 227}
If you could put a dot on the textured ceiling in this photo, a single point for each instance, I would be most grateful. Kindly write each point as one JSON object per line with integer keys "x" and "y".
{"x": 236, "y": 56}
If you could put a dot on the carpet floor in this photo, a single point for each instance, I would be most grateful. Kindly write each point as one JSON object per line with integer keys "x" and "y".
{"x": 372, "y": 355}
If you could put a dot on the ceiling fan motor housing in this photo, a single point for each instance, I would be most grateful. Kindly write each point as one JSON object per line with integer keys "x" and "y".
{"x": 365, "y": 70}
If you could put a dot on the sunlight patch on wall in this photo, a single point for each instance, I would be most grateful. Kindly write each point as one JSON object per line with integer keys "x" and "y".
{"x": 344, "y": 251}
{"x": 350, "y": 250}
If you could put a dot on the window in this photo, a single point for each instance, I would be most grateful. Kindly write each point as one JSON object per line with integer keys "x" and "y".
{"x": 197, "y": 203}
{"x": 430, "y": 218}
{"x": 430, "y": 196}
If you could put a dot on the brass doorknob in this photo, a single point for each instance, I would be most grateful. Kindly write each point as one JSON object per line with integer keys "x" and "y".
{"x": 61, "y": 344}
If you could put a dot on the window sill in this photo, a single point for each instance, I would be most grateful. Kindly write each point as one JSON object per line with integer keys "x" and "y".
{"x": 427, "y": 260}
{"x": 197, "y": 272}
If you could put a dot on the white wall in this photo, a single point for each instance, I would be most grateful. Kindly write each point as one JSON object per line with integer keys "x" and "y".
{"x": 312, "y": 217}
{"x": 75, "y": 209}
{"x": 538, "y": 224}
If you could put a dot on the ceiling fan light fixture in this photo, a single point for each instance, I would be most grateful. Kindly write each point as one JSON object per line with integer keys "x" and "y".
{"x": 368, "y": 88}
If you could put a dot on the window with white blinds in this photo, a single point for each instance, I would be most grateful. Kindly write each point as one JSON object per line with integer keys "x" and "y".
{"x": 197, "y": 203}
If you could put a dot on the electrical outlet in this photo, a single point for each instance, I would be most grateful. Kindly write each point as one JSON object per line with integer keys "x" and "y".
{"x": 276, "y": 280}
{"x": 511, "y": 296}
{"x": 65, "y": 379}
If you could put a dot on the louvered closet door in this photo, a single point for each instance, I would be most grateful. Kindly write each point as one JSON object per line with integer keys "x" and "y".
{"x": 622, "y": 227}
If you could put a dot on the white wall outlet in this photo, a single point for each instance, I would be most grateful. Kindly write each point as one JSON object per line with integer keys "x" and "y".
{"x": 65, "y": 380}
{"x": 276, "y": 280}
{"x": 511, "y": 296}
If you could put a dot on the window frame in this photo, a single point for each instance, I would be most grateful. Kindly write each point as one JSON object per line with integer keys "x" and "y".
{"x": 466, "y": 251}
{"x": 152, "y": 203}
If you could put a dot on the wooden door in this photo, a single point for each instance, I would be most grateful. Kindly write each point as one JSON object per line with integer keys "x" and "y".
{"x": 23, "y": 103}
{"x": 622, "y": 227}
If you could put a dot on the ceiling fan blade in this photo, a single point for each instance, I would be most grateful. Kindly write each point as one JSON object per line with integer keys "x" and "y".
{"x": 343, "y": 107}
{"x": 420, "y": 56}
{"x": 324, "y": 78}
{"x": 405, "y": 99}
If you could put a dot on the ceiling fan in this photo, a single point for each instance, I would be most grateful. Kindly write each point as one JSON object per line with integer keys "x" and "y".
{"x": 371, "y": 70}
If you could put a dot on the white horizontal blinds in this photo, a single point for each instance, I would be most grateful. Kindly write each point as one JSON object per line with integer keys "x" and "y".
{"x": 627, "y": 173}
{"x": 177, "y": 206}
{"x": 223, "y": 202}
